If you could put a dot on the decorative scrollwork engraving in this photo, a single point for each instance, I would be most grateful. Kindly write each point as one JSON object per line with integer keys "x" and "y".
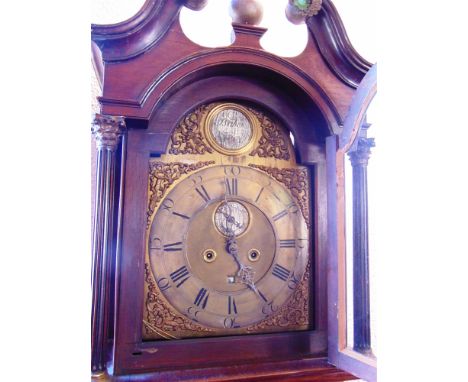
{"x": 292, "y": 314}
{"x": 188, "y": 137}
{"x": 162, "y": 176}
{"x": 160, "y": 318}
{"x": 273, "y": 142}
{"x": 296, "y": 180}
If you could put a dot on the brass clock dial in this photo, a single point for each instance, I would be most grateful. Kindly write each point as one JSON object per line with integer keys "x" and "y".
{"x": 228, "y": 246}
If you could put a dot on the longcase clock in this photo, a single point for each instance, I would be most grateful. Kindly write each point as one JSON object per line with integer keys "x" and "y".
{"x": 210, "y": 238}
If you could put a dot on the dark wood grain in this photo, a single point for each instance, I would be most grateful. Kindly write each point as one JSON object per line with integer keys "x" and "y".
{"x": 339, "y": 353}
{"x": 107, "y": 132}
{"x": 287, "y": 370}
{"x": 153, "y": 75}
{"x": 332, "y": 40}
{"x": 131, "y": 353}
{"x": 131, "y": 92}
{"x": 130, "y": 38}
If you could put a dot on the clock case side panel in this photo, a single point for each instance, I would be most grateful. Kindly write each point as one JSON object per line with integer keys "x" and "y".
{"x": 309, "y": 128}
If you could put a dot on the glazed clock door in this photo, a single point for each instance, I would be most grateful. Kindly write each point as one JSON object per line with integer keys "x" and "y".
{"x": 357, "y": 357}
{"x": 228, "y": 220}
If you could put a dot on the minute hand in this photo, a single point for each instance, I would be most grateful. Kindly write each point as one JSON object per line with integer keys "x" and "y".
{"x": 245, "y": 272}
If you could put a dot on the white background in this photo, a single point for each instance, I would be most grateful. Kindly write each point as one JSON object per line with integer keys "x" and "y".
{"x": 420, "y": 197}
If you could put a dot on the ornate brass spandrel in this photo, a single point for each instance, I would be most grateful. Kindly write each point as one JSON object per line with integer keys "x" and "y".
{"x": 273, "y": 142}
{"x": 161, "y": 321}
{"x": 191, "y": 136}
{"x": 162, "y": 176}
{"x": 188, "y": 137}
{"x": 297, "y": 182}
{"x": 294, "y": 314}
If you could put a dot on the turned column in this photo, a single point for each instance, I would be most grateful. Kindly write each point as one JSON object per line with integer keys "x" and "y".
{"x": 359, "y": 159}
{"x": 107, "y": 131}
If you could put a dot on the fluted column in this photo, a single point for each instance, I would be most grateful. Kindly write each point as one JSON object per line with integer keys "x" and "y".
{"x": 359, "y": 160}
{"x": 107, "y": 131}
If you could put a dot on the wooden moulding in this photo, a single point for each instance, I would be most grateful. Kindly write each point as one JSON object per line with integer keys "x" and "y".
{"x": 152, "y": 75}
{"x": 108, "y": 132}
{"x": 334, "y": 45}
{"x": 128, "y": 39}
{"x": 339, "y": 353}
{"x": 310, "y": 370}
{"x": 134, "y": 355}
{"x": 327, "y": 70}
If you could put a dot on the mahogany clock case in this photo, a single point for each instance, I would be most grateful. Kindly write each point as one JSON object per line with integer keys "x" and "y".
{"x": 133, "y": 353}
{"x": 154, "y": 76}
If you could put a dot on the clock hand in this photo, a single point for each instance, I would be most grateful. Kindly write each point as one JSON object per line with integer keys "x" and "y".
{"x": 231, "y": 219}
{"x": 245, "y": 272}
{"x": 228, "y": 215}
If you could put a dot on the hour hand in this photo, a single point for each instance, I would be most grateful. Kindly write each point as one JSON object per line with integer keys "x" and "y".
{"x": 254, "y": 288}
{"x": 245, "y": 273}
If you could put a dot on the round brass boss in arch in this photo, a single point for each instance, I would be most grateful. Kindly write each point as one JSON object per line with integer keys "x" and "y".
{"x": 231, "y": 129}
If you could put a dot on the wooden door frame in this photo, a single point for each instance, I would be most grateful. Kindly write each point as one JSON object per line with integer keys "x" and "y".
{"x": 339, "y": 353}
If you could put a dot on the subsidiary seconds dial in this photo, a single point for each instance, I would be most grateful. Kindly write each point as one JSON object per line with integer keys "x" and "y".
{"x": 231, "y": 217}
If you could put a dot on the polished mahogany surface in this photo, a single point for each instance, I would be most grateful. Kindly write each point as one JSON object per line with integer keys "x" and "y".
{"x": 152, "y": 75}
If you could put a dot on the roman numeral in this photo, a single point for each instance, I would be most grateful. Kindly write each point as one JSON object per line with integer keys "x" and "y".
{"x": 279, "y": 215}
{"x": 203, "y": 193}
{"x": 277, "y": 197}
{"x": 281, "y": 272}
{"x": 181, "y": 215}
{"x": 232, "y": 305}
{"x": 163, "y": 284}
{"x": 202, "y": 298}
{"x": 173, "y": 247}
{"x": 181, "y": 274}
{"x": 288, "y": 243}
{"x": 231, "y": 186}
{"x": 259, "y": 194}
{"x": 156, "y": 243}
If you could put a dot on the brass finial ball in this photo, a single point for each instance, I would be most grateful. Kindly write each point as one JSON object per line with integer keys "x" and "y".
{"x": 246, "y": 11}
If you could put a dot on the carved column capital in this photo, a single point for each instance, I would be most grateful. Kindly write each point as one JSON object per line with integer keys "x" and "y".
{"x": 107, "y": 130}
{"x": 360, "y": 156}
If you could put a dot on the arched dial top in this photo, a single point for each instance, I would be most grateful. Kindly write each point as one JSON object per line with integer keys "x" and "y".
{"x": 227, "y": 247}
